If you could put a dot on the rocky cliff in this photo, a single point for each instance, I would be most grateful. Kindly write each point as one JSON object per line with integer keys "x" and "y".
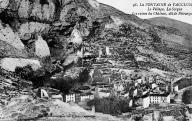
{"x": 45, "y": 39}
{"x": 58, "y": 32}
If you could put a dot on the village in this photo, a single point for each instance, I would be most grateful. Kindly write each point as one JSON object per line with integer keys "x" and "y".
{"x": 142, "y": 92}
{"x": 94, "y": 60}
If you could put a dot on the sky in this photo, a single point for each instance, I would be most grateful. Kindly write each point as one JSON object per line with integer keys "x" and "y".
{"x": 127, "y": 7}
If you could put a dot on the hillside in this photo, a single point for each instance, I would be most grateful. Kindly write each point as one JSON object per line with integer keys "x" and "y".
{"x": 66, "y": 44}
{"x": 182, "y": 27}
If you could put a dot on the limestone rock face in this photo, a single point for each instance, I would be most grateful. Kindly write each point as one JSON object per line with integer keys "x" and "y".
{"x": 76, "y": 37}
{"x": 12, "y": 38}
{"x": 62, "y": 39}
{"x": 73, "y": 73}
{"x": 67, "y": 29}
{"x": 10, "y": 64}
{"x": 30, "y": 28}
{"x": 43, "y": 11}
{"x": 94, "y": 4}
{"x": 72, "y": 58}
{"x": 24, "y": 8}
{"x": 55, "y": 20}
{"x": 7, "y": 50}
{"x": 4, "y": 4}
{"x": 41, "y": 48}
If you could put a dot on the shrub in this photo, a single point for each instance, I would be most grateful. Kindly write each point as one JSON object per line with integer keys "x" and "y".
{"x": 187, "y": 97}
{"x": 24, "y": 72}
{"x": 125, "y": 28}
{"x": 84, "y": 76}
{"x": 184, "y": 82}
{"x": 97, "y": 76}
{"x": 110, "y": 105}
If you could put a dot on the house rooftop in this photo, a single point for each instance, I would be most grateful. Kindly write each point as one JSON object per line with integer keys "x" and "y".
{"x": 85, "y": 94}
{"x": 85, "y": 88}
{"x": 105, "y": 91}
{"x": 155, "y": 94}
{"x": 99, "y": 83}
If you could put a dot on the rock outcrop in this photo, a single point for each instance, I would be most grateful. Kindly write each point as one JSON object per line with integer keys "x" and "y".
{"x": 59, "y": 29}
{"x": 10, "y": 64}
{"x": 9, "y": 36}
{"x": 41, "y": 48}
{"x": 41, "y": 32}
{"x": 62, "y": 43}
{"x": 76, "y": 37}
{"x": 7, "y": 50}
{"x": 28, "y": 108}
{"x": 29, "y": 29}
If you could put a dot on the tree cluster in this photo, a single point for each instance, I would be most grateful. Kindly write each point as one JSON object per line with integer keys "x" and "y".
{"x": 187, "y": 97}
{"x": 110, "y": 105}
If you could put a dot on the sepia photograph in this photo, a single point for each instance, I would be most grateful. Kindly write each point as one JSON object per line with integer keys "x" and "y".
{"x": 95, "y": 60}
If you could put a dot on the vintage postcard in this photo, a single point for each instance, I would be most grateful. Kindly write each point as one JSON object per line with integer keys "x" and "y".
{"x": 96, "y": 60}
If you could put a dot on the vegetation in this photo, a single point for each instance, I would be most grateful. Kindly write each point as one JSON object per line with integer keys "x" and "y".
{"x": 84, "y": 76}
{"x": 25, "y": 72}
{"x": 187, "y": 97}
{"x": 97, "y": 76}
{"x": 170, "y": 30}
{"x": 110, "y": 105}
{"x": 185, "y": 82}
